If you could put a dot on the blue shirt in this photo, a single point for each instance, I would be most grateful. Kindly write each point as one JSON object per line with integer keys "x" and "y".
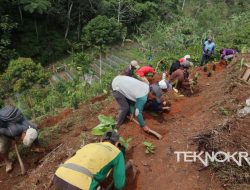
{"x": 208, "y": 47}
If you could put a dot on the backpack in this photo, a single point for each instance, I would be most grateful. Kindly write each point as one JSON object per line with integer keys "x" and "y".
{"x": 10, "y": 114}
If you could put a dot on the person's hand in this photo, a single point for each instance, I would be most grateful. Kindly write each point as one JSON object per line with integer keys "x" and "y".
{"x": 146, "y": 128}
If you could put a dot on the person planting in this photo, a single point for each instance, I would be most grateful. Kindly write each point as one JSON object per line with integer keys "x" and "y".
{"x": 92, "y": 164}
{"x": 155, "y": 101}
{"x": 14, "y": 126}
{"x": 185, "y": 58}
{"x": 130, "y": 70}
{"x": 131, "y": 96}
{"x": 144, "y": 72}
{"x": 180, "y": 78}
{"x": 227, "y": 54}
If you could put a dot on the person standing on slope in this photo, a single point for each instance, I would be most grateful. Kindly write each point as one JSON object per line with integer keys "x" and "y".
{"x": 207, "y": 51}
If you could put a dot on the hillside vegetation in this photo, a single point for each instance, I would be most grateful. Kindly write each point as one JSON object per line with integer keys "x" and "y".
{"x": 79, "y": 34}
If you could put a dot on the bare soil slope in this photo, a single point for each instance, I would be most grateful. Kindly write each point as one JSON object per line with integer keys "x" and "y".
{"x": 189, "y": 116}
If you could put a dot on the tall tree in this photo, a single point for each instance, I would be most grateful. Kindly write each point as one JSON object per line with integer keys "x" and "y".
{"x": 102, "y": 31}
{"x": 36, "y": 7}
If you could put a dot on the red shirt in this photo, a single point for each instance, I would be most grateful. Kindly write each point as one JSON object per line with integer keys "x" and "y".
{"x": 183, "y": 59}
{"x": 144, "y": 71}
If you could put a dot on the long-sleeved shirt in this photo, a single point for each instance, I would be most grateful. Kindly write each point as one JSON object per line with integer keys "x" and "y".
{"x": 208, "y": 48}
{"x": 91, "y": 165}
{"x": 143, "y": 71}
{"x": 228, "y": 52}
{"x": 181, "y": 76}
{"x": 16, "y": 129}
{"x": 134, "y": 90}
{"x": 130, "y": 87}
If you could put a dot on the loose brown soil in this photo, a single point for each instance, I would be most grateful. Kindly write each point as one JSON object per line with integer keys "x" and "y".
{"x": 188, "y": 117}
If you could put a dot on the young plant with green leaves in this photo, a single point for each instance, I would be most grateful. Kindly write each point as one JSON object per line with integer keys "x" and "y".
{"x": 106, "y": 123}
{"x": 149, "y": 147}
{"x": 126, "y": 142}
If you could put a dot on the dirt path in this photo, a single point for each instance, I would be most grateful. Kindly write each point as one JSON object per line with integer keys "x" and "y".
{"x": 188, "y": 116}
{"x": 160, "y": 171}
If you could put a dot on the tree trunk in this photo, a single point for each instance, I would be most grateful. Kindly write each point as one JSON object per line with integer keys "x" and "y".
{"x": 20, "y": 12}
{"x": 183, "y": 4}
{"x": 100, "y": 66}
{"x": 119, "y": 11}
{"x": 68, "y": 21}
{"x": 79, "y": 25}
{"x": 36, "y": 29}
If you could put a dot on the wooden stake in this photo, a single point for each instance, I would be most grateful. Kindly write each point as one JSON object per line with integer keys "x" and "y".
{"x": 150, "y": 131}
{"x": 20, "y": 161}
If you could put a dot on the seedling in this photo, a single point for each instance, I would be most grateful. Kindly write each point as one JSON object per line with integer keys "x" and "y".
{"x": 149, "y": 147}
{"x": 214, "y": 67}
{"x": 209, "y": 74}
{"x": 124, "y": 142}
{"x": 205, "y": 69}
{"x": 194, "y": 81}
{"x": 106, "y": 123}
{"x": 224, "y": 111}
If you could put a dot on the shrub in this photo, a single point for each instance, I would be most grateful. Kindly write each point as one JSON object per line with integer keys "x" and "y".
{"x": 22, "y": 74}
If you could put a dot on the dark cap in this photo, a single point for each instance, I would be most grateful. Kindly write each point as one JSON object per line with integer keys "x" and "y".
{"x": 111, "y": 136}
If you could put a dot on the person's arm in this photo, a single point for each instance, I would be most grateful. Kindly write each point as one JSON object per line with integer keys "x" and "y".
{"x": 223, "y": 54}
{"x": 203, "y": 47}
{"x": 5, "y": 132}
{"x": 151, "y": 70}
{"x": 119, "y": 173}
{"x": 12, "y": 130}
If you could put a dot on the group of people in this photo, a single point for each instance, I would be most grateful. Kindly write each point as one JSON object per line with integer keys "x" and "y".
{"x": 208, "y": 50}
{"x": 135, "y": 89}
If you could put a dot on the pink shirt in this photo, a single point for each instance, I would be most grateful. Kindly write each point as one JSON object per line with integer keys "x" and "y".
{"x": 144, "y": 71}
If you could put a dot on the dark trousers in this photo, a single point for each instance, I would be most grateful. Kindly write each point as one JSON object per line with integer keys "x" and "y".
{"x": 205, "y": 58}
{"x": 154, "y": 106}
{"x": 63, "y": 185}
{"x": 123, "y": 107}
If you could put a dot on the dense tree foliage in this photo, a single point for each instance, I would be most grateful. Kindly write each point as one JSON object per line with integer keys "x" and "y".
{"x": 48, "y": 31}
{"x": 102, "y": 31}
{"x": 22, "y": 74}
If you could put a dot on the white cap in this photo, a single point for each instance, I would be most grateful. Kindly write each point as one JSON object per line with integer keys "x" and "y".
{"x": 187, "y": 56}
{"x": 135, "y": 64}
{"x": 165, "y": 84}
{"x": 30, "y": 136}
